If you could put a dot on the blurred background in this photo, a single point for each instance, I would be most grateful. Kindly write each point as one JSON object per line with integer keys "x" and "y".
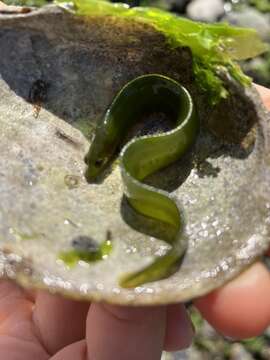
{"x": 208, "y": 344}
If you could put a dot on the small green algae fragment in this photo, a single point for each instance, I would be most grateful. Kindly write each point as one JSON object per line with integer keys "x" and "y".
{"x": 72, "y": 257}
{"x": 214, "y": 46}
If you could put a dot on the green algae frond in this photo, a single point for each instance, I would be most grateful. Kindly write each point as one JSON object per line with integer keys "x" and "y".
{"x": 214, "y": 46}
{"x": 72, "y": 257}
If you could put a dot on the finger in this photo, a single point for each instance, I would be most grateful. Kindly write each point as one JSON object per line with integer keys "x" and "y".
{"x": 241, "y": 309}
{"x": 179, "y": 329}
{"x": 129, "y": 333}
{"x": 75, "y": 351}
{"x": 18, "y": 339}
{"x": 265, "y": 95}
{"x": 59, "y": 321}
{"x": 15, "y": 312}
{"x": 12, "y": 348}
{"x": 12, "y": 298}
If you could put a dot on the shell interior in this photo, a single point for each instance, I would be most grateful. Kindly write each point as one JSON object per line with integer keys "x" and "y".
{"x": 59, "y": 73}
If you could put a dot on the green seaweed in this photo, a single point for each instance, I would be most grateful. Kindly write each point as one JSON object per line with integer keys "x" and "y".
{"x": 72, "y": 257}
{"x": 214, "y": 46}
{"x": 145, "y": 155}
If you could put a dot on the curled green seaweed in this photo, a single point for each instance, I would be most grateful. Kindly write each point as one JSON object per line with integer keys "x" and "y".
{"x": 145, "y": 155}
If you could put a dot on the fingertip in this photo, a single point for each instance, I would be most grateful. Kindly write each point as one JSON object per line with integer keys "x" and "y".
{"x": 241, "y": 309}
{"x": 73, "y": 351}
{"x": 130, "y": 333}
{"x": 52, "y": 320}
{"x": 265, "y": 94}
{"x": 179, "y": 330}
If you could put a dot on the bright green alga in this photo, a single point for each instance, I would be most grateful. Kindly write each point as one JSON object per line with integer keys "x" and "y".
{"x": 214, "y": 46}
{"x": 72, "y": 257}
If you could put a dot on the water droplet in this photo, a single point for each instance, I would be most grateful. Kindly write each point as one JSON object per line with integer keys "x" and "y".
{"x": 72, "y": 181}
{"x": 70, "y": 222}
{"x": 84, "y": 288}
{"x": 116, "y": 291}
{"x": 215, "y": 223}
{"x": 139, "y": 289}
{"x": 131, "y": 250}
{"x": 83, "y": 264}
{"x": 11, "y": 231}
{"x": 204, "y": 225}
{"x": 100, "y": 286}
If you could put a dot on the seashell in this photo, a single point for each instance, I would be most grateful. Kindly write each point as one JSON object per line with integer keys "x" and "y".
{"x": 59, "y": 73}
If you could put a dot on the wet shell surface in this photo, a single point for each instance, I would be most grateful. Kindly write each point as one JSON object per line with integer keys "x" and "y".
{"x": 58, "y": 74}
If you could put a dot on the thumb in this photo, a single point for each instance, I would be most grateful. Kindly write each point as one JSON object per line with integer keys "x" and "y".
{"x": 125, "y": 333}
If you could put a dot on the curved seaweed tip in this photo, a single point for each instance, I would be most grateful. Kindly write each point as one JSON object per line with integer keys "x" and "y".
{"x": 214, "y": 46}
{"x": 145, "y": 155}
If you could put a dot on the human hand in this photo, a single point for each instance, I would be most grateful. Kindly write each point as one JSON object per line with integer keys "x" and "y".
{"x": 41, "y": 326}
